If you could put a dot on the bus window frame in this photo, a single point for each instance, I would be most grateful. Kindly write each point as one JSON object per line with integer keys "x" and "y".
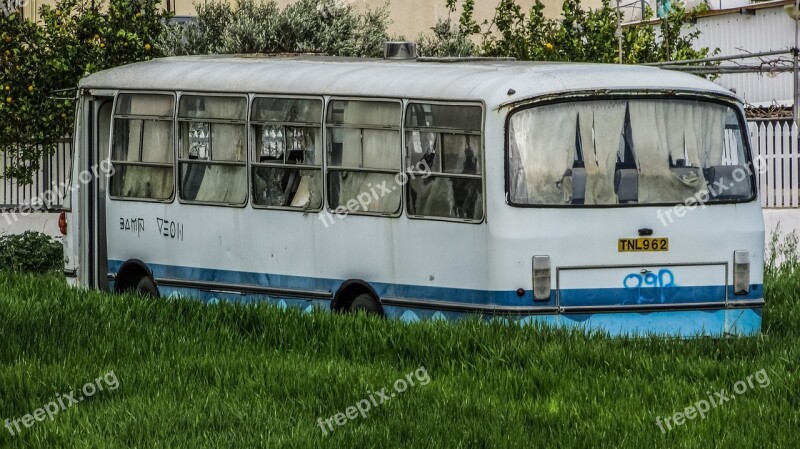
{"x": 179, "y": 160}
{"x": 627, "y": 95}
{"x": 327, "y": 167}
{"x": 251, "y": 142}
{"x": 407, "y": 158}
{"x": 113, "y": 130}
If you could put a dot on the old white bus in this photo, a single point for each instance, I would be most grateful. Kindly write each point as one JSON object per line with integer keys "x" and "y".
{"x": 609, "y": 197}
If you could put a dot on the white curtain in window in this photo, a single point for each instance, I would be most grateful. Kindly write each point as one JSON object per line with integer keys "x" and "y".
{"x": 228, "y": 142}
{"x": 145, "y": 182}
{"x": 544, "y": 141}
{"x": 381, "y": 149}
{"x": 223, "y": 184}
{"x": 363, "y": 184}
{"x": 226, "y": 108}
{"x": 157, "y": 141}
{"x": 155, "y": 144}
{"x": 131, "y": 150}
{"x": 153, "y": 105}
{"x": 374, "y": 113}
{"x": 708, "y": 120}
{"x": 371, "y": 148}
{"x": 601, "y": 124}
{"x": 660, "y": 130}
{"x": 434, "y": 197}
{"x": 455, "y": 149}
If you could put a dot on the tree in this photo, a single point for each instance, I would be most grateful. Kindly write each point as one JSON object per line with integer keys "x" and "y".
{"x": 43, "y": 63}
{"x": 305, "y": 26}
{"x": 582, "y": 35}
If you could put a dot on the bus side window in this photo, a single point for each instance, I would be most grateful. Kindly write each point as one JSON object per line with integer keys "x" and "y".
{"x": 142, "y": 147}
{"x": 212, "y": 143}
{"x": 444, "y": 151}
{"x": 364, "y": 155}
{"x": 286, "y": 159}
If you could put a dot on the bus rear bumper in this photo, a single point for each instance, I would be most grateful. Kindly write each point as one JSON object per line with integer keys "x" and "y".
{"x": 733, "y": 319}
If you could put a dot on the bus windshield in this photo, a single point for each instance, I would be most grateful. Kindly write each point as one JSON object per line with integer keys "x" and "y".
{"x": 627, "y": 152}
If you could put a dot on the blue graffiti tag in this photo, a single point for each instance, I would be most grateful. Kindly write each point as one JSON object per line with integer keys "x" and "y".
{"x": 649, "y": 280}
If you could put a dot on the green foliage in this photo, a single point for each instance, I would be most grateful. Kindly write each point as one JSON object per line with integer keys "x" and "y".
{"x": 448, "y": 38}
{"x": 782, "y": 255}
{"x": 306, "y": 26}
{"x": 582, "y": 35}
{"x": 445, "y": 39}
{"x": 42, "y": 63}
{"x": 30, "y": 252}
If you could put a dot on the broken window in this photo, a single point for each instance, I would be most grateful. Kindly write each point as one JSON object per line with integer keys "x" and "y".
{"x": 638, "y": 151}
{"x": 212, "y": 143}
{"x": 444, "y": 149}
{"x": 142, "y": 153}
{"x": 364, "y": 156}
{"x": 287, "y": 157}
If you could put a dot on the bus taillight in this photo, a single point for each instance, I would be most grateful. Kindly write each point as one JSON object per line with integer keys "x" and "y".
{"x": 741, "y": 272}
{"x": 541, "y": 278}
{"x": 62, "y": 223}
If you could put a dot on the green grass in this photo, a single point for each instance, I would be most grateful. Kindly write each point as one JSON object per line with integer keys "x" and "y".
{"x": 232, "y": 376}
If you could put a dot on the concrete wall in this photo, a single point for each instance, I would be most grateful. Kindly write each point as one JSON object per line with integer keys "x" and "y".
{"x": 412, "y": 17}
{"x": 789, "y": 220}
{"x": 41, "y": 222}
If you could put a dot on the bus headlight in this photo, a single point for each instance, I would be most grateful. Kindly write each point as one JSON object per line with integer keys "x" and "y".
{"x": 741, "y": 272}
{"x": 541, "y": 278}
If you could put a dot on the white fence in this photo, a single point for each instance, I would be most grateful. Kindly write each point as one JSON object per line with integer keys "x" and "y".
{"x": 52, "y": 178}
{"x": 775, "y": 142}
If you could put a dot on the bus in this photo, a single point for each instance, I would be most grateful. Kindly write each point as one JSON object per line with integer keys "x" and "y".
{"x": 610, "y": 198}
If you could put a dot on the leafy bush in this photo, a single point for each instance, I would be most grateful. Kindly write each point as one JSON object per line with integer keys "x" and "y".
{"x": 306, "y": 26}
{"x": 449, "y": 39}
{"x": 30, "y": 252}
{"x": 782, "y": 257}
{"x": 581, "y": 35}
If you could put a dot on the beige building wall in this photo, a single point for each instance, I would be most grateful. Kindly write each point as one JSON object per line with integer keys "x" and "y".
{"x": 409, "y": 17}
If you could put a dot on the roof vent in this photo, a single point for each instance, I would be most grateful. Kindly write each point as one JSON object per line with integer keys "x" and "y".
{"x": 399, "y": 50}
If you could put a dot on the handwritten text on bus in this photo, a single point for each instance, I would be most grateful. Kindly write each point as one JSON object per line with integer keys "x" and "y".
{"x": 165, "y": 228}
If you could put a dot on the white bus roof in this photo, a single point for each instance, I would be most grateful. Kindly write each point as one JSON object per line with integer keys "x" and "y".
{"x": 478, "y": 80}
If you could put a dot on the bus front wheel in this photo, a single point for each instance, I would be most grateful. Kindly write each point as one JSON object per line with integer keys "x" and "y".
{"x": 366, "y": 303}
{"x": 146, "y": 287}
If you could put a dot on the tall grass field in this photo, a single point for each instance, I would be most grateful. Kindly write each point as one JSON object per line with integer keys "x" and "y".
{"x": 181, "y": 374}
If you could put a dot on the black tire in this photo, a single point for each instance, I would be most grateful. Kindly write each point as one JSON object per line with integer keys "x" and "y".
{"x": 146, "y": 287}
{"x": 366, "y": 303}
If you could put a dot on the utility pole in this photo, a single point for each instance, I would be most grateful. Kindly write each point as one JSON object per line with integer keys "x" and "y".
{"x": 619, "y": 34}
{"x": 795, "y": 106}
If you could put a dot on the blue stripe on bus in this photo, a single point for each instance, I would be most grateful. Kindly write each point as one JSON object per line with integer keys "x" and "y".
{"x": 685, "y": 323}
{"x": 569, "y": 297}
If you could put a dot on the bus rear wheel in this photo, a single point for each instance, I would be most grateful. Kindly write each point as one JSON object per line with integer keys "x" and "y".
{"x": 367, "y": 304}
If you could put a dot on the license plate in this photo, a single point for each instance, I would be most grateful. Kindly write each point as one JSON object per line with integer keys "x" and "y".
{"x": 643, "y": 244}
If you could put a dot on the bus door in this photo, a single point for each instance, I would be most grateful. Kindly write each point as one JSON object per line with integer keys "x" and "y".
{"x": 92, "y": 180}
